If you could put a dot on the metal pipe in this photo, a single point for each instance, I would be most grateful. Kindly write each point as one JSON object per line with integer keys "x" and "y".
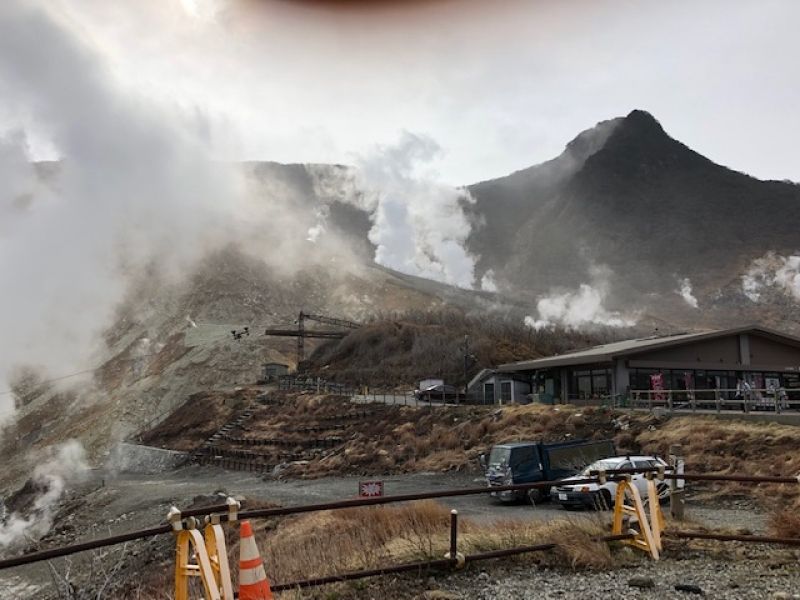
{"x": 508, "y": 552}
{"x": 710, "y": 477}
{"x": 275, "y": 512}
{"x": 82, "y": 547}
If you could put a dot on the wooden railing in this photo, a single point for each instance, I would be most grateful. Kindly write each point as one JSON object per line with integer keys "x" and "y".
{"x": 772, "y": 400}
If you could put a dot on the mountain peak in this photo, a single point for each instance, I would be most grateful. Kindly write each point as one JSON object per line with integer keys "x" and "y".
{"x": 642, "y": 122}
{"x": 639, "y": 146}
{"x": 638, "y": 125}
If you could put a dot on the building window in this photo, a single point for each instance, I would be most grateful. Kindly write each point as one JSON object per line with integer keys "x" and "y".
{"x": 587, "y": 384}
{"x": 488, "y": 393}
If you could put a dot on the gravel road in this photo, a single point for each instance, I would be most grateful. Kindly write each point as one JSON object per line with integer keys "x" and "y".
{"x": 132, "y": 493}
{"x": 715, "y": 578}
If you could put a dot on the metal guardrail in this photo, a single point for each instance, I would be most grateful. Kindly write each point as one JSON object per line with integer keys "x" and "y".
{"x": 221, "y": 511}
{"x": 264, "y": 513}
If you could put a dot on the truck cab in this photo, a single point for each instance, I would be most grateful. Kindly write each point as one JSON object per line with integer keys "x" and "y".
{"x": 513, "y": 463}
{"x": 529, "y": 462}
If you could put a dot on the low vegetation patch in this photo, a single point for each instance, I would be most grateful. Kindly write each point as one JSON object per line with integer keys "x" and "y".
{"x": 334, "y": 542}
{"x": 400, "y": 349}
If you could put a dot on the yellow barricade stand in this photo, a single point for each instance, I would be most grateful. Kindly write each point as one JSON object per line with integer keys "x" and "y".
{"x": 209, "y": 561}
{"x": 657, "y": 523}
{"x": 643, "y": 538}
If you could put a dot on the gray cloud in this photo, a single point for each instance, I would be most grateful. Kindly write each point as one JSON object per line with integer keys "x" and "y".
{"x": 502, "y": 86}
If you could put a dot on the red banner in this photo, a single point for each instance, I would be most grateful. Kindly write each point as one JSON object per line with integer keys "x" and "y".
{"x": 657, "y": 385}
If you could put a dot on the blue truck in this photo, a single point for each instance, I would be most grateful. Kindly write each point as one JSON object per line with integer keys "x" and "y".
{"x": 529, "y": 462}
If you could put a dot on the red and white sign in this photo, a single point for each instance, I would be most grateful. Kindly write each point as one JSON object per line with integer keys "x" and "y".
{"x": 370, "y": 489}
{"x": 657, "y": 385}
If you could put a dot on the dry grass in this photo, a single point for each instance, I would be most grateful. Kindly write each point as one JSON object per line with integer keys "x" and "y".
{"x": 576, "y": 547}
{"x": 785, "y": 522}
{"x": 733, "y": 447}
{"x": 336, "y": 541}
{"x": 399, "y": 349}
{"x": 331, "y": 542}
{"x": 396, "y": 439}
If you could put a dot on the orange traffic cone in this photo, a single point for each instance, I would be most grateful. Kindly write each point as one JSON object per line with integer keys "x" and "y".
{"x": 253, "y": 584}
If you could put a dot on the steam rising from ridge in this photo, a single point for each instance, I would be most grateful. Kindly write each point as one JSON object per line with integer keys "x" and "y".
{"x": 66, "y": 464}
{"x": 686, "y": 292}
{"x": 581, "y": 308}
{"x": 418, "y": 224}
{"x": 772, "y": 271}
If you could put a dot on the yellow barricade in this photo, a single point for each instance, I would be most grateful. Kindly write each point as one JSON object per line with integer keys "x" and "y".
{"x": 643, "y": 538}
{"x": 209, "y": 559}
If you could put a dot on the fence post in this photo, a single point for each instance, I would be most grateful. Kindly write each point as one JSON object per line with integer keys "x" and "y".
{"x": 717, "y": 399}
{"x": 676, "y": 492}
{"x": 453, "y": 535}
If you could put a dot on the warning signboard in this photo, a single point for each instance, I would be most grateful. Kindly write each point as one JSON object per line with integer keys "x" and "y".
{"x": 370, "y": 489}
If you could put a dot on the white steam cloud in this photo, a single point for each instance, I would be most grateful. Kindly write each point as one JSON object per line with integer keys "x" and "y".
{"x": 581, "y": 308}
{"x": 131, "y": 186}
{"x": 418, "y": 224}
{"x": 774, "y": 271}
{"x": 488, "y": 283}
{"x": 686, "y": 292}
{"x": 136, "y": 186}
{"x": 65, "y": 465}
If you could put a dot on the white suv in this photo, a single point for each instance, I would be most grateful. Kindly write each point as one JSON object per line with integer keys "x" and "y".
{"x": 594, "y": 495}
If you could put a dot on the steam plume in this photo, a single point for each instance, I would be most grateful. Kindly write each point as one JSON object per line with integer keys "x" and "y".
{"x": 774, "y": 271}
{"x": 136, "y": 186}
{"x": 418, "y": 224}
{"x": 686, "y": 292}
{"x": 66, "y": 465}
{"x": 580, "y": 308}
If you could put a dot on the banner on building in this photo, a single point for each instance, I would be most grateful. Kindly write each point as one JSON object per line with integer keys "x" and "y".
{"x": 657, "y": 385}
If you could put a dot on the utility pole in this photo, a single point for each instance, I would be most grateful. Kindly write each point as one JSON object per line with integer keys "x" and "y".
{"x": 466, "y": 365}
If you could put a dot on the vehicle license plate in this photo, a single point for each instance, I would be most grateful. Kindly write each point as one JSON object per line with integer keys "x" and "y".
{"x": 562, "y": 496}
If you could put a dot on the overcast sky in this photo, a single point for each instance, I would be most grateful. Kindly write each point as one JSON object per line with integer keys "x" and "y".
{"x": 499, "y": 85}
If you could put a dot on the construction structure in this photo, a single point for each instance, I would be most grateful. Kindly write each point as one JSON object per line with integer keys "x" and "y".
{"x": 343, "y": 327}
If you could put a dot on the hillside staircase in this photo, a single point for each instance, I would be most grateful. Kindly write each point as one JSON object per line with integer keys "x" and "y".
{"x": 207, "y": 447}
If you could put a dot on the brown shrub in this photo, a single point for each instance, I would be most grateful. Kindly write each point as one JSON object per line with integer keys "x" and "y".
{"x": 400, "y": 349}
{"x": 326, "y": 543}
{"x": 785, "y": 523}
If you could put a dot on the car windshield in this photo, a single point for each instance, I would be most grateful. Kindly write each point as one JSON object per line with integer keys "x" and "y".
{"x": 499, "y": 456}
{"x": 601, "y": 465}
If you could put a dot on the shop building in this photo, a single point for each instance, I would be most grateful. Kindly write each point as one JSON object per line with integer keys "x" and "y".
{"x": 711, "y": 362}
